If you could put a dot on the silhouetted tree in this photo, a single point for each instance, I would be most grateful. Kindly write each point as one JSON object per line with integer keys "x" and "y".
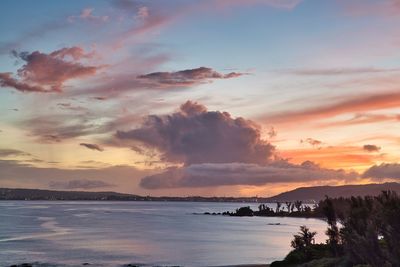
{"x": 288, "y": 205}
{"x": 261, "y": 207}
{"x": 360, "y": 233}
{"x": 278, "y": 206}
{"x": 303, "y": 240}
{"x": 388, "y": 221}
{"x": 333, "y": 231}
{"x": 298, "y": 204}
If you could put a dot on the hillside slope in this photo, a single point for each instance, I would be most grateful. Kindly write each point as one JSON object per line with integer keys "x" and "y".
{"x": 319, "y": 192}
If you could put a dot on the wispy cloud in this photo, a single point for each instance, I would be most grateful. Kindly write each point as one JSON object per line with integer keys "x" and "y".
{"x": 88, "y": 14}
{"x": 337, "y": 71}
{"x": 92, "y": 146}
{"x": 354, "y": 104}
{"x": 187, "y": 77}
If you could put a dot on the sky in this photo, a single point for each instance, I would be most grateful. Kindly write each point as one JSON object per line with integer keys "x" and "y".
{"x": 211, "y": 98}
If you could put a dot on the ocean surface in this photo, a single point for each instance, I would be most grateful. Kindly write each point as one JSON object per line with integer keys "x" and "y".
{"x": 70, "y": 233}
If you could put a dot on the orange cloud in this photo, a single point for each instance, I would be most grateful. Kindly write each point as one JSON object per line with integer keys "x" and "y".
{"x": 351, "y": 105}
{"x": 362, "y": 118}
{"x": 346, "y": 157}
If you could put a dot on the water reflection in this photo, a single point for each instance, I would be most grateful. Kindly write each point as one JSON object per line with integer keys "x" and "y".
{"x": 162, "y": 233}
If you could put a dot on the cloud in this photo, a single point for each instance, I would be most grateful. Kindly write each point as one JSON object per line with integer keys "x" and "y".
{"x": 272, "y": 132}
{"x": 363, "y": 118}
{"x": 143, "y": 13}
{"x": 187, "y": 77}
{"x": 383, "y": 8}
{"x": 347, "y": 157}
{"x": 349, "y": 105}
{"x": 87, "y": 14}
{"x": 12, "y": 152}
{"x": 56, "y": 128}
{"x": 48, "y": 72}
{"x": 312, "y": 141}
{"x": 22, "y": 175}
{"x": 92, "y": 146}
{"x": 216, "y": 150}
{"x": 79, "y": 184}
{"x": 69, "y": 106}
{"x": 75, "y": 52}
{"x": 371, "y": 148}
{"x": 283, "y": 4}
{"x": 6, "y": 80}
{"x": 384, "y": 170}
{"x": 337, "y": 71}
{"x": 195, "y": 135}
{"x": 210, "y": 174}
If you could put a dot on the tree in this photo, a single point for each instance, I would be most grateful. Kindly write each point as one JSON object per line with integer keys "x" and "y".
{"x": 278, "y": 206}
{"x": 333, "y": 231}
{"x": 361, "y": 233}
{"x": 303, "y": 239}
{"x": 388, "y": 220}
{"x": 298, "y": 204}
{"x": 288, "y": 205}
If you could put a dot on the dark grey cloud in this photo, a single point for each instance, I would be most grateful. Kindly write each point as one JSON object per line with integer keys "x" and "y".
{"x": 187, "y": 77}
{"x": 210, "y": 174}
{"x": 92, "y": 146}
{"x": 79, "y": 184}
{"x": 312, "y": 141}
{"x": 371, "y": 148}
{"x": 384, "y": 170}
{"x": 194, "y": 135}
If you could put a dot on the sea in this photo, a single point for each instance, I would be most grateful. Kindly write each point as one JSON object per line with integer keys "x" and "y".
{"x": 111, "y": 233}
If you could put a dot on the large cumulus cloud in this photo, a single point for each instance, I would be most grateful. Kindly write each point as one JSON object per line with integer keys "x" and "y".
{"x": 194, "y": 135}
{"x": 216, "y": 149}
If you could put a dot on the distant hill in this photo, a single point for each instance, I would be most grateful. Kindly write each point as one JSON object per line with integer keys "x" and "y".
{"x": 317, "y": 193}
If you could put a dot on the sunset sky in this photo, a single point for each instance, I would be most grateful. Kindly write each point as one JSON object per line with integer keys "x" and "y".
{"x": 213, "y": 97}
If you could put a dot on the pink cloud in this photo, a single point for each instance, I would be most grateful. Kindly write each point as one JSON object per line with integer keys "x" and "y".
{"x": 365, "y": 8}
{"x": 87, "y": 14}
{"x": 48, "y": 72}
{"x": 195, "y": 135}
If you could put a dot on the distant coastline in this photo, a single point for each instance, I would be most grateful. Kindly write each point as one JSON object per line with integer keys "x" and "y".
{"x": 55, "y": 195}
{"x": 305, "y": 194}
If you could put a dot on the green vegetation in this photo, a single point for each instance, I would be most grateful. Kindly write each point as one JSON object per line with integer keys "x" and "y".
{"x": 362, "y": 231}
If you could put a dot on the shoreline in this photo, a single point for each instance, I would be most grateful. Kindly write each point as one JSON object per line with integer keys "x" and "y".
{"x": 39, "y": 264}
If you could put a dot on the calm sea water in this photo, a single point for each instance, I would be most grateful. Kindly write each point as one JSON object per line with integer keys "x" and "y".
{"x": 149, "y": 233}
